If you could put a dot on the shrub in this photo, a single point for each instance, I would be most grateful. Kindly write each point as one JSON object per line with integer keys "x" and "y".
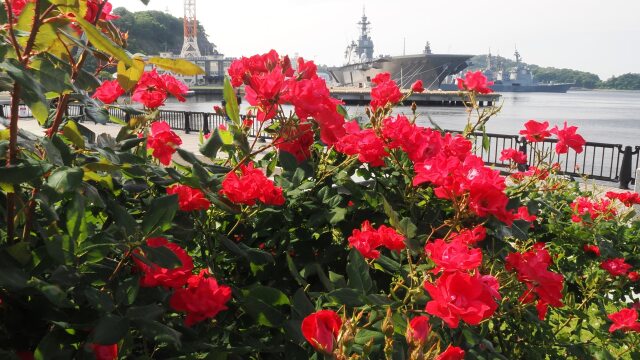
{"x": 335, "y": 239}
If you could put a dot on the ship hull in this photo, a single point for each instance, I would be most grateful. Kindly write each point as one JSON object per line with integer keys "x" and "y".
{"x": 432, "y": 69}
{"x": 548, "y": 88}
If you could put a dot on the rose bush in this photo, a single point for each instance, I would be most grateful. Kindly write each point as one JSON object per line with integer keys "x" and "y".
{"x": 336, "y": 238}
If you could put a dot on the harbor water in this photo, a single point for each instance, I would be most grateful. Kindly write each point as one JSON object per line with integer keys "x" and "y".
{"x": 601, "y": 116}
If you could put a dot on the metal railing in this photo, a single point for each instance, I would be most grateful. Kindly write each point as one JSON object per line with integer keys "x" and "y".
{"x": 598, "y": 161}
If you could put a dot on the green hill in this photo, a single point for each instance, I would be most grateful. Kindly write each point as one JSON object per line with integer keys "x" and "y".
{"x": 151, "y": 32}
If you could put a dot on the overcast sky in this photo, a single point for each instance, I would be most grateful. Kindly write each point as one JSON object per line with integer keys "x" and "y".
{"x": 591, "y": 35}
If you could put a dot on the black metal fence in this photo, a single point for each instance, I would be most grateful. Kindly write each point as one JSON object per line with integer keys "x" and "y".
{"x": 598, "y": 161}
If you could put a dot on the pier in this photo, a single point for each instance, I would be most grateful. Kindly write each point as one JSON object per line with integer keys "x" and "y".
{"x": 362, "y": 96}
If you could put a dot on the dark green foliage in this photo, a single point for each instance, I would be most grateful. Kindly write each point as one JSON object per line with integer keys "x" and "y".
{"x": 152, "y": 32}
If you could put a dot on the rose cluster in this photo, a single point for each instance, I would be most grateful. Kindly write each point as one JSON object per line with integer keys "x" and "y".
{"x": 200, "y": 296}
{"x": 151, "y": 90}
{"x": 271, "y": 81}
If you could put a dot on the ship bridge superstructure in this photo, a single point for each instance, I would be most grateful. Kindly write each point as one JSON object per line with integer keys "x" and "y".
{"x": 362, "y": 50}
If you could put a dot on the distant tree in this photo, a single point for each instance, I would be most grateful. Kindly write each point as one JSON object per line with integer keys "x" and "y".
{"x": 623, "y": 82}
{"x": 152, "y": 32}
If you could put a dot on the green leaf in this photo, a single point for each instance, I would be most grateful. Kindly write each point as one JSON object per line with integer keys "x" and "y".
{"x": 486, "y": 142}
{"x": 177, "y": 66}
{"x": 148, "y": 312}
{"x": 231, "y": 100}
{"x": 110, "y": 330}
{"x": 103, "y": 43}
{"x": 99, "y": 300}
{"x": 158, "y": 332}
{"x": 76, "y": 219}
{"x": 407, "y": 228}
{"x": 122, "y": 218}
{"x": 32, "y": 92}
{"x": 21, "y": 173}
{"x": 358, "y": 272}
{"x": 301, "y": 304}
{"x": 71, "y": 132}
{"x": 161, "y": 256}
{"x": 261, "y": 302}
{"x": 13, "y": 278}
{"x": 337, "y": 215}
{"x": 160, "y": 214}
{"x": 65, "y": 179}
{"x": 287, "y": 161}
{"x": 346, "y": 296}
{"x": 217, "y": 139}
{"x": 128, "y": 76}
{"x": 394, "y": 218}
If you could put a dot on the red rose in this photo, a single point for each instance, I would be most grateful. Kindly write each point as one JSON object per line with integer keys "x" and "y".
{"x": 615, "y": 267}
{"x": 453, "y": 256}
{"x": 600, "y": 209}
{"x": 203, "y": 298}
{"x": 17, "y": 6}
{"x": 523, "y": 214}
{"x": 105, "y": 352}
{"x": 321, "y": 330}
{"x": 367, "y": 239}
{"x": 594, "y": 249}
{"x": 536, "y": 131}
{"x": 625, "y": 320}
{"x": 163, "y": 141}
{"x": 154, "y": 275}
{"x": 452, "y": 353}
{"x": 567, "y": 138}
{"x": 175, "y": 87}
{"x": 265, "y": 92}
{"x": 109, "y": 92}
{"x": 250, "y": 187}
{"x": 459, "y": 296}
{"x": 475, "y": 81}
{"x": 92, "y": 10}
{"x": 306, "y": 69}
{"x": 419, "y": 143}
{"x": 542, "y": 284}
{"x": 364, "y": 143}
{"x": 296, "y": 140}
{"x": 150, "y": 90}
{"x": 418, "y": 330}
{"x": 385, "y": 91}
{"x": 628, "y": 198}
{"x": 417, "y": 87}
{"x": 633, "y": 275}
{"x": 514, "y": 155}
{"x": 189, "y": 199}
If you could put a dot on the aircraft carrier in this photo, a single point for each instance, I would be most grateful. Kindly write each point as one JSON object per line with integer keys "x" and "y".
{"x": 361, "y": 66}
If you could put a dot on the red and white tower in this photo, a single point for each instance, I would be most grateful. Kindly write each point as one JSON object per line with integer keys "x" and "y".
{"x": 190, "y": 46}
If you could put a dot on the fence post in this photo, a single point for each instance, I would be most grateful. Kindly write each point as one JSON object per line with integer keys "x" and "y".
{"x": 523, "y": 148}
{"x": 205, "y": 123}
{"x": 187, "y": 125}
{"x": 625, "y": 169}
{"x": 2, "y": 111}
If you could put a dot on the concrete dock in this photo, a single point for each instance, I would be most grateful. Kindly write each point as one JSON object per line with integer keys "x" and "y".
{"x": 361, "y": 96}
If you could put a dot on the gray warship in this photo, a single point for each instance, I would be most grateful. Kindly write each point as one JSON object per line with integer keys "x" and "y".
{"x": 516, "y": 79}
{"x": 361, "y": 66}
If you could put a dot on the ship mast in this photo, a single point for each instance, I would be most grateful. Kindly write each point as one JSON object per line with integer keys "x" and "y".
{"x": 365, "y": 45}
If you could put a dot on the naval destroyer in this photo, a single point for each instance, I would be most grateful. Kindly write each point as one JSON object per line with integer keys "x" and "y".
{"x": 516, "y": 79}
{"x": 361, "y": 66}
